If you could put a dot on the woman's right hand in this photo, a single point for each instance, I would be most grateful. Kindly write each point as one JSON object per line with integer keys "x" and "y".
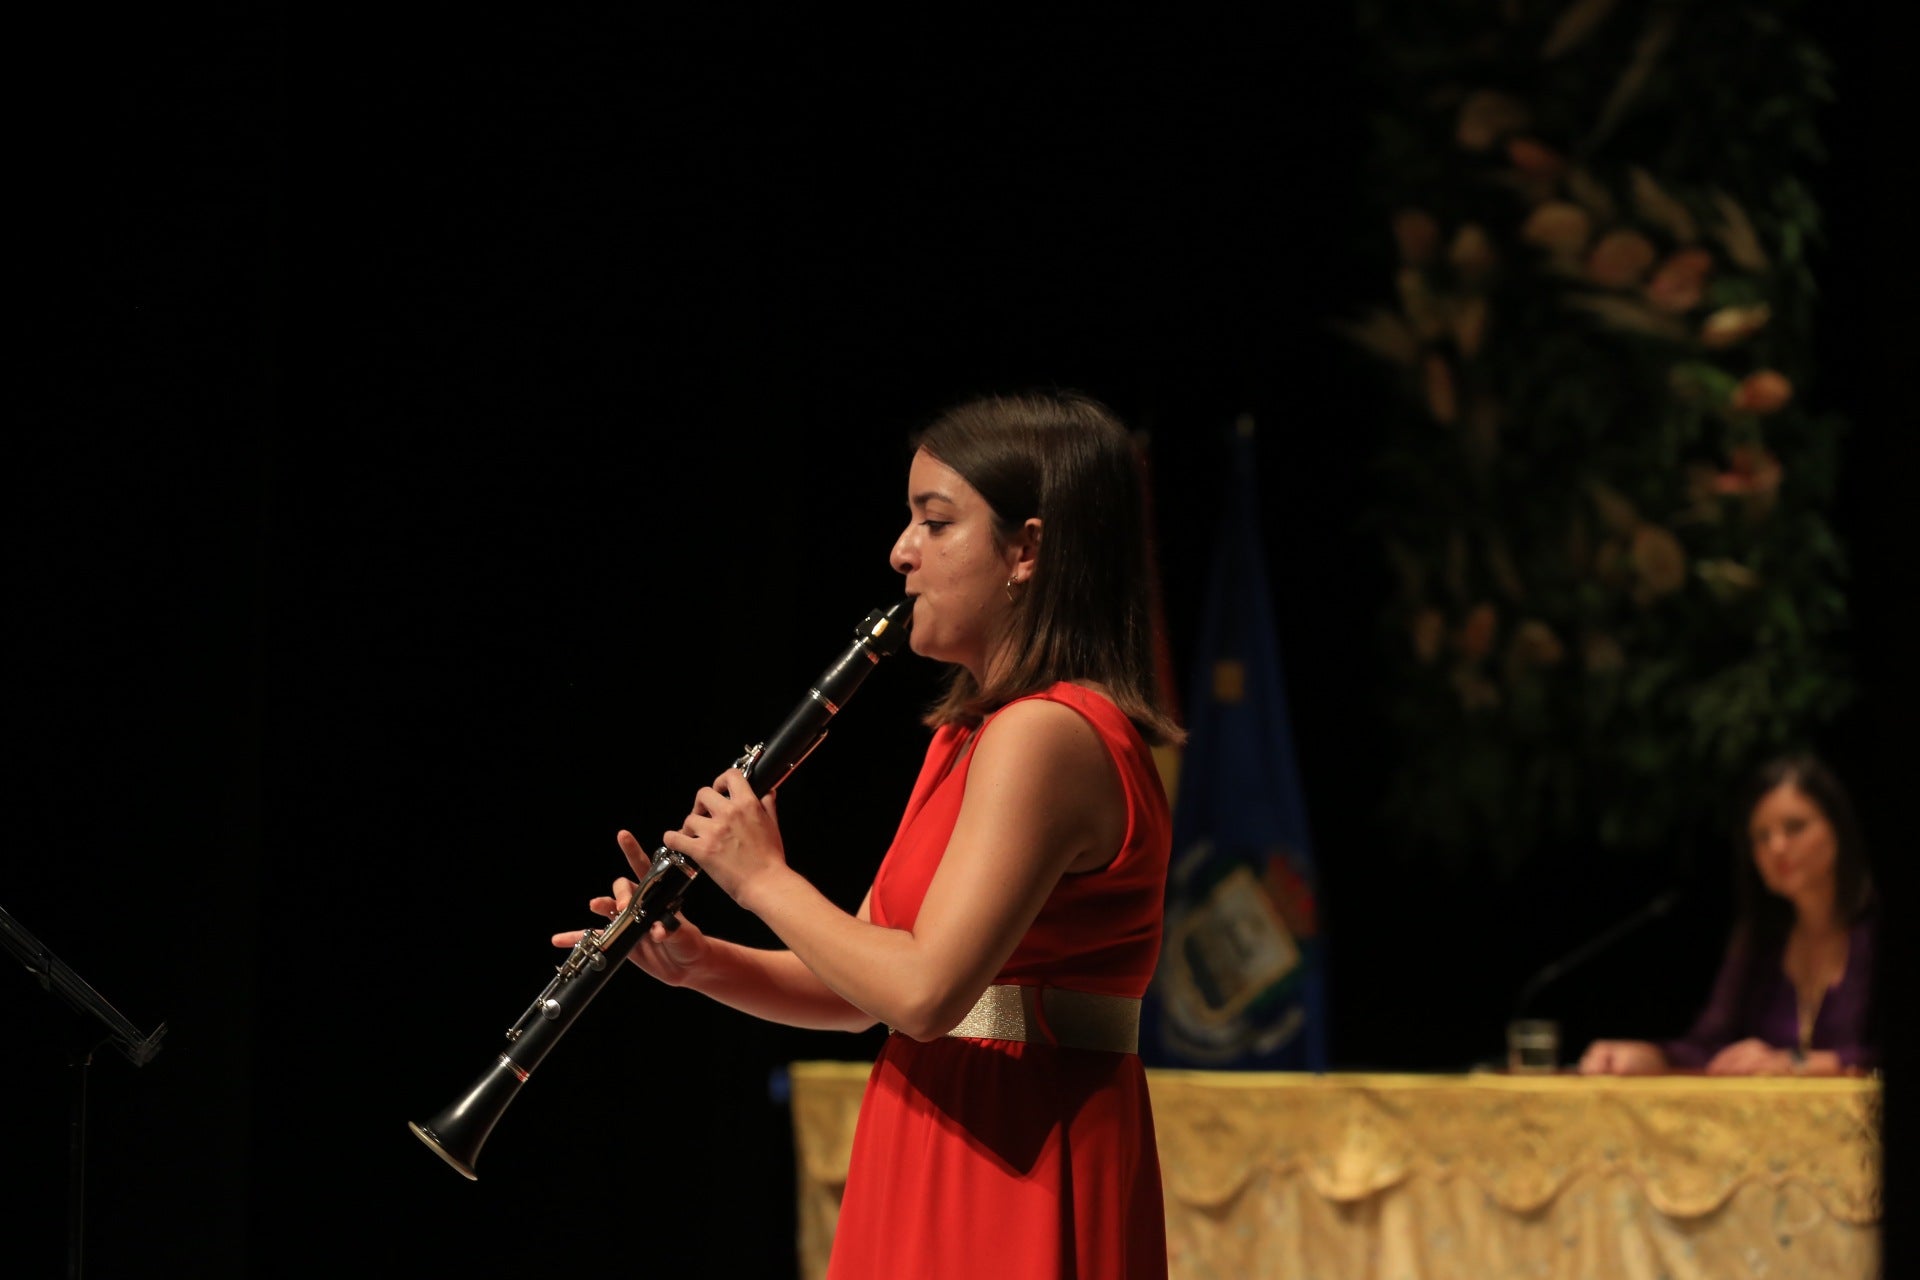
{"x": 670, "y": 955}
{"x": 1622, "y": 1058}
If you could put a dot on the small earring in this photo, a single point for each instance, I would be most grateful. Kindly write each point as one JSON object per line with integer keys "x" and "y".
{"x": 1010, "y": 599}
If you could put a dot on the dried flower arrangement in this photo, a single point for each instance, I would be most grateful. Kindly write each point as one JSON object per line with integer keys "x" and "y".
{"x": 1602, "y": 490}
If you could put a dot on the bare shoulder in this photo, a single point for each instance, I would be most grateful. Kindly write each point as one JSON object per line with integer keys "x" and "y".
{"x": 1039, "y": 725}
{"x": 1040, "y": 743}
{"x": 1043, "y": 766}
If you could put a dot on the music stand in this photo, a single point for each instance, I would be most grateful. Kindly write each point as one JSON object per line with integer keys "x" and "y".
{"x": 55, "y": 976}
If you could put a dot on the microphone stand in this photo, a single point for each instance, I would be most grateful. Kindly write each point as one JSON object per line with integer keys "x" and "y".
{"x": 55, "y": 976}
{"x": 1587, "y": 950}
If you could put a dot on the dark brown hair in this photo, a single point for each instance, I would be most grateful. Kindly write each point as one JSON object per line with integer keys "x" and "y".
{"x": 1085, "y": 613}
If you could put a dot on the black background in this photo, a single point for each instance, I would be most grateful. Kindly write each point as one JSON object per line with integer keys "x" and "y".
{"x": 452, "y": 439}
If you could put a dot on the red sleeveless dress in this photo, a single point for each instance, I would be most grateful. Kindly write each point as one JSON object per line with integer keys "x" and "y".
{"x": 1003, "y": 1160}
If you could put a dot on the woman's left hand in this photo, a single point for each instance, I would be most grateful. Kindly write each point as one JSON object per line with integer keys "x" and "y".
{"x": 1752, "y": 1057}
{"x": 732, "y": 834}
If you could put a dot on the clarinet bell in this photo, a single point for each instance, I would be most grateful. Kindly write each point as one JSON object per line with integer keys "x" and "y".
{"x": 457, "y": 1133}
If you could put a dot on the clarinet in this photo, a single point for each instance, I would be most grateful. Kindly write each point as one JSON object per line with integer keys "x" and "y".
{"x": 457, "y": 1133}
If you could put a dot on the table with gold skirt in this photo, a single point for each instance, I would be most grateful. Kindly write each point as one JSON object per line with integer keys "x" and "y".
{"x": 1469, "y": 1177}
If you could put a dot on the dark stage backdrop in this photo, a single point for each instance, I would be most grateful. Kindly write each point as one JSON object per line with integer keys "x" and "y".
{"x": 457, "y": 441}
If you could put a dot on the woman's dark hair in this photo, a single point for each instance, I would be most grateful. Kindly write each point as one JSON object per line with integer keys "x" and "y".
{"x": 1764, "y": 917}
{"x": 1086, "y": 611}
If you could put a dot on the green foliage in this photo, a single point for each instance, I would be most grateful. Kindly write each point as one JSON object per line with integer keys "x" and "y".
{"x": 1602, "y": 492}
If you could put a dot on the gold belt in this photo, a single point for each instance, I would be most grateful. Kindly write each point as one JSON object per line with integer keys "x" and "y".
{"x": 1056, "y": 1016}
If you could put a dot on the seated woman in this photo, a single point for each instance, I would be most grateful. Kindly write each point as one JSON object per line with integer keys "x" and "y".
{"x": 1794, "y": 994}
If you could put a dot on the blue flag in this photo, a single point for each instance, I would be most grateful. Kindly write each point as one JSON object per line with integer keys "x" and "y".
{"x": 1241, "y": 977}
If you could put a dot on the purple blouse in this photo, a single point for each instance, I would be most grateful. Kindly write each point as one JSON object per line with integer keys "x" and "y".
{"x": 1751, "y": 1001}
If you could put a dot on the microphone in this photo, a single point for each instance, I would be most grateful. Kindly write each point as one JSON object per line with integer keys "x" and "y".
{"x": 1592, "y": 947}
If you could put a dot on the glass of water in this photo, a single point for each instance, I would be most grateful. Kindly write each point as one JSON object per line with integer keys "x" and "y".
{"x": 1533, "y": 1046}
